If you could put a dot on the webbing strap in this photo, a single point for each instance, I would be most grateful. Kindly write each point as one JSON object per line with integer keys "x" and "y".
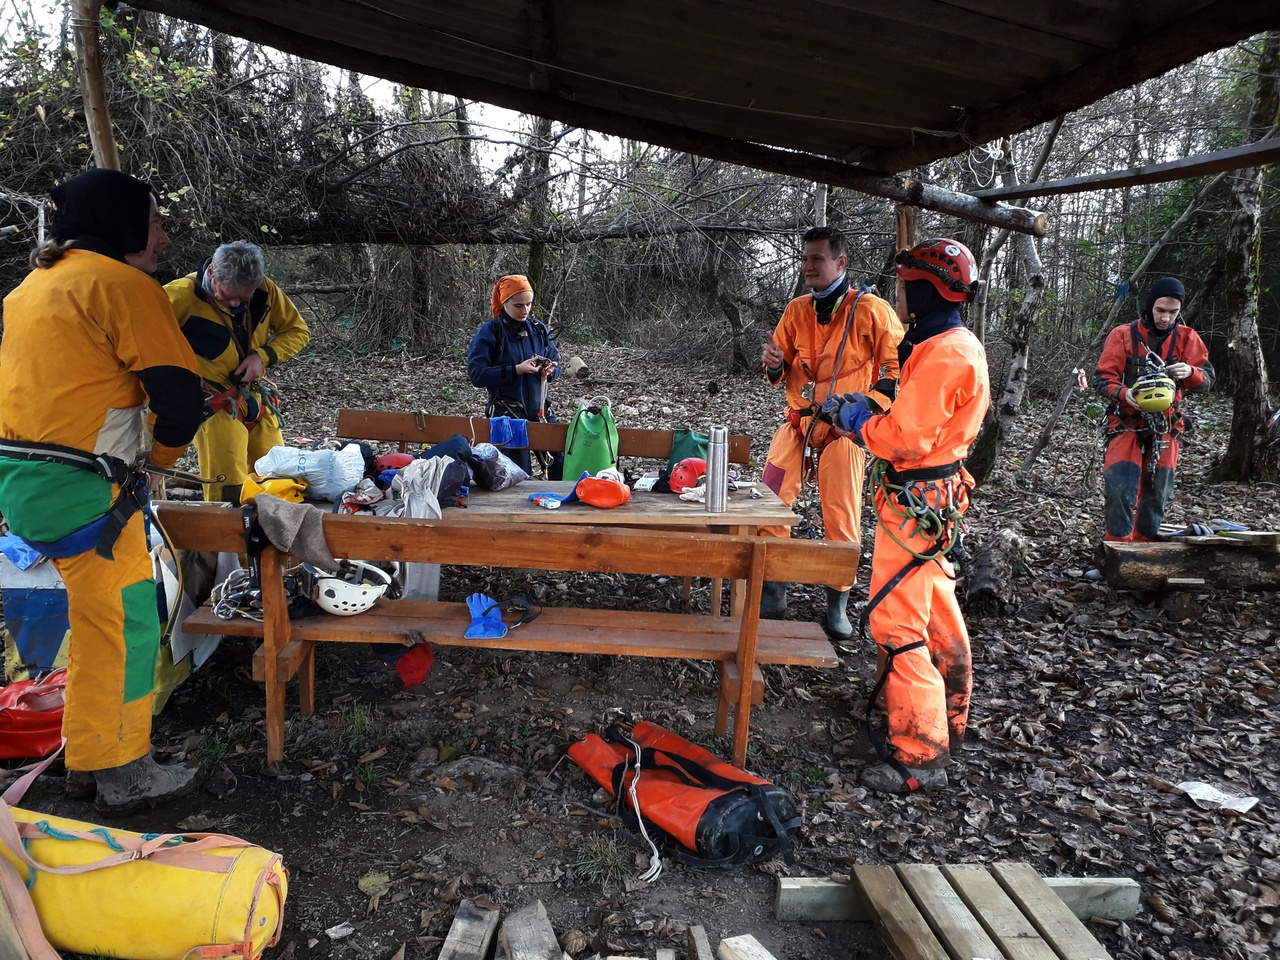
{"x": 879, "y": 742}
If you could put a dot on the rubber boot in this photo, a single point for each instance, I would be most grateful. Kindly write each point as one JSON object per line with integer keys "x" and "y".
{"x": 837, "y": 623}
{"x": 80, "y": 785}
{"x": 144, "y": 783}
{"x": 884, "y": 778}
{"x": 773, "y": 600}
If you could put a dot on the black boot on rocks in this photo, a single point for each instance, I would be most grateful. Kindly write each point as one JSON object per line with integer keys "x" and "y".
{"x": 837, "y": 623}
{"x": 773, "y": 600}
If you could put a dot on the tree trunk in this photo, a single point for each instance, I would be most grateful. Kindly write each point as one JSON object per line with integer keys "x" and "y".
{"x": 1252, "y": 402}
{"x": 540, "y": 205}
{"x": 999, "y": 422}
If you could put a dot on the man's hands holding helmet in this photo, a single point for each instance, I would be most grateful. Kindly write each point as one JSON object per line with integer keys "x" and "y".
{"x": 848, "y": 413}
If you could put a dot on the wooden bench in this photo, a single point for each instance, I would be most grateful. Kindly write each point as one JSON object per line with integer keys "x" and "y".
{"x": 1006, "y": 910}
{"x": 737, "y": 644}
{"x": 407, "y": 428}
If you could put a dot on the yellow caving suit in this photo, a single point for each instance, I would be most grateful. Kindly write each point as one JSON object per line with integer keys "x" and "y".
{"x": 87, "y": 343}
{"x": 271, "y": 327}
{"x": 809, "y": 356}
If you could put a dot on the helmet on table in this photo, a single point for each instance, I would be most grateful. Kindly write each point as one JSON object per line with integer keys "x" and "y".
{"x": 1154, "y": 393}
{"x": 947, "y": 264}
{"x": 687, "y": 473}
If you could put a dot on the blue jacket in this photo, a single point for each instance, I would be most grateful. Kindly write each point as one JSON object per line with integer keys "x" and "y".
{"x": 496, "y": 349}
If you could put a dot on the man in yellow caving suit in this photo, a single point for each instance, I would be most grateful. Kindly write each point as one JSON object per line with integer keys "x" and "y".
{"x": 239, "y": 323}
{"x": 89, "y": 344}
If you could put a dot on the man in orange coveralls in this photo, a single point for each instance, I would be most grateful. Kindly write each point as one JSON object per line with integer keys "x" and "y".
{"x": 1142, "y": 447}
{"x": 921, "y": 490}
{"x": 833, "y": 340}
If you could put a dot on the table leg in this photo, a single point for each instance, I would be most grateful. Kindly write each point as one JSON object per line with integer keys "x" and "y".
{"x": 275, "y": 634}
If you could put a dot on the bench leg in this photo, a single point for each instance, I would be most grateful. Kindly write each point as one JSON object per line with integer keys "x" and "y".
{"x": 731, "y": 689}
{"x": 717, "y": 592}
{"x": 307, "y": 680}
{"x": 748, "y": 635}
{"x": 275, "y": 616}
{"x": 688, "y": 585}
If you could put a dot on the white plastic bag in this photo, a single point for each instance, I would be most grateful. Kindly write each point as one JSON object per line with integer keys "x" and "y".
{"x": 494, "y": 470}
{"x": 329, "y": 474}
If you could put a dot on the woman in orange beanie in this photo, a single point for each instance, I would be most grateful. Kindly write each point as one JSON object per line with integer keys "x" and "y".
{"x": 514, "y": 358}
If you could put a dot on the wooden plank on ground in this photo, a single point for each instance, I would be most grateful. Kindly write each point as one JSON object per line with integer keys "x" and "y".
{"x": 1146, "y": 566}
{"x": 953, "y": 923}
{"x": 665, "y": 953}
{"x": 527, "y": 935}
{"x": 1058, "y": 925}
{"x": 895, "y": 916}
{"x": 745, "y": 947}
{"x": 815, "y": 899}
{"x": 699, "y": 945}
{"x": 471, "y": 933}
{"x": 1013, "y": 933}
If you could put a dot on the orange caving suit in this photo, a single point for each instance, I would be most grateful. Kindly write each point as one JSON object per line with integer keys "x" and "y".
{"x": 809, "y": 355}
{"x": 942, "y": 398}
{"x": 1141, "y": 464}
{"x": 270, "y": 327}
{"x": 87, "y": 343}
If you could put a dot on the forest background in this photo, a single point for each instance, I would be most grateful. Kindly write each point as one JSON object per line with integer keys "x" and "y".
{"x": 389, "y": 211}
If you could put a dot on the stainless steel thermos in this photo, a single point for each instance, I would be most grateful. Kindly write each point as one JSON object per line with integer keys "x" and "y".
{"x": 717, "y": 469}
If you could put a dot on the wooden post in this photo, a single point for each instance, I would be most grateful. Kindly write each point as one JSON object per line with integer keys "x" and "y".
{"x": 86, "y": 26}
{"x": 275, "y": 634}
{"x": 748, "y": 636}
{"x": 905, "y": 217}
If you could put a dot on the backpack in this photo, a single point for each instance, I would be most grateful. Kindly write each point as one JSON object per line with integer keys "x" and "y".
{"x": 591, "y": 444}
{"x": 686, "y": 443}
{"x": 709, "y": 814}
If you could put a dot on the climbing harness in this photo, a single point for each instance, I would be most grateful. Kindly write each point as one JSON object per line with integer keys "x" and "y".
{"x": 811, "y": 451}
{"x": 245, "y": 402}
{"x": 930, "y": 499}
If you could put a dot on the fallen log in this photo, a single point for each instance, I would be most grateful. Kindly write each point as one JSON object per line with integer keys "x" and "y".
{"x": 1150, "y": 566}
{"x": 990, "y": 584}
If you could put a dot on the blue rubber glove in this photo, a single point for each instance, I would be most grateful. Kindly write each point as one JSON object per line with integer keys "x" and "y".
{"x": 852, "y": 414}
{"x": 486, "y": 618}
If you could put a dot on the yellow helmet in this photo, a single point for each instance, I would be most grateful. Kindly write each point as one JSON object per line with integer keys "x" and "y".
{"x": 1154, "y": 393}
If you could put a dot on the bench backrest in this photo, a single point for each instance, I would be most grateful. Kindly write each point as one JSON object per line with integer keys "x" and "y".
{"x": 406, "y": 428}
{"x": 538, "y": 546}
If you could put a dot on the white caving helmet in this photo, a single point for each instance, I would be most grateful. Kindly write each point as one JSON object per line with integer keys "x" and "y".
{"x": 354, "y": 588}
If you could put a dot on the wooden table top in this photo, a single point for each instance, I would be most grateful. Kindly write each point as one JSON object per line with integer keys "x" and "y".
{"x": 644, "y": 509}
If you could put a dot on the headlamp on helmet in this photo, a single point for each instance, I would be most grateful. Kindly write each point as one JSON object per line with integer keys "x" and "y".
{"x": 947, "y": 264}
{"x": 1154, "y": 393}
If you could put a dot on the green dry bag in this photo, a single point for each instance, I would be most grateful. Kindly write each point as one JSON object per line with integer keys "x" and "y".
{"x": 592, "y": 440}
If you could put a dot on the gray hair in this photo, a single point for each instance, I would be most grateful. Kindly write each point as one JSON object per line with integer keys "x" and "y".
{"x": 239, "y": 265}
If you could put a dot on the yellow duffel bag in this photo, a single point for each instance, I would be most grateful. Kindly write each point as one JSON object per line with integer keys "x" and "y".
{"x": 107, "y": 892}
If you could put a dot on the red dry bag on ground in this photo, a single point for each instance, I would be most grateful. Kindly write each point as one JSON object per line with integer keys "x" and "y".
{"x": 709, "y": 813}
{"x": 31, "y": 717}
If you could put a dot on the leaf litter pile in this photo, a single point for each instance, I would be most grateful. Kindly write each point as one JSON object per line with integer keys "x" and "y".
{"x": 1095, "y": 715}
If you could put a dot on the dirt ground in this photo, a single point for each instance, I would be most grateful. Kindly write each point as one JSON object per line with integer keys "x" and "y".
{"x": 1090, "y": 706}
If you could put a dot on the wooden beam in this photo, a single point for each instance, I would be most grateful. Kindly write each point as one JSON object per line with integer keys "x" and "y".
{"x": 471, "y": 933}
{"x": 86, "y": 25}
{"x": 805, "y": 166}
{"x": 745, "y": 947}
{"x": 527, "y": 935}
{"x": 699, "y": 944}
{"x": 820, "y": 899}
{"x": 1147, "y": 566}
{"x": 1236, "y": 158}
{"x": 1207, "y": 28}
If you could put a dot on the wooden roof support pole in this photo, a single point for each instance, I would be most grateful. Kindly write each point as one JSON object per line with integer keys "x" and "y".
{"x": 86, "y": 26}
{"x": 905, "y": 217}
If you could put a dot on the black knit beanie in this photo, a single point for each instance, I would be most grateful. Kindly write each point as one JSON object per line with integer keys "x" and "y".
{"x": 1164, "y": 287}
{"x": 103, "y": 210}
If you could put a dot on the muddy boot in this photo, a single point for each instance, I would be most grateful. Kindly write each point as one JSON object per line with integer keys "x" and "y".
{"x": 837, "y": 623}
{"x": 773, "y": 600}
{"x": 884, "y": 778}
{"x": 80, "y": 785}
{"x": 144, "y": 783}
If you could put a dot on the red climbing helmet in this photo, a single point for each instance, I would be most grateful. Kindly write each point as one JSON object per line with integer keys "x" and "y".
{"x": 392, "y": 461}
{"x": 687, "y": 473}
{"x": 947, "y": 264}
